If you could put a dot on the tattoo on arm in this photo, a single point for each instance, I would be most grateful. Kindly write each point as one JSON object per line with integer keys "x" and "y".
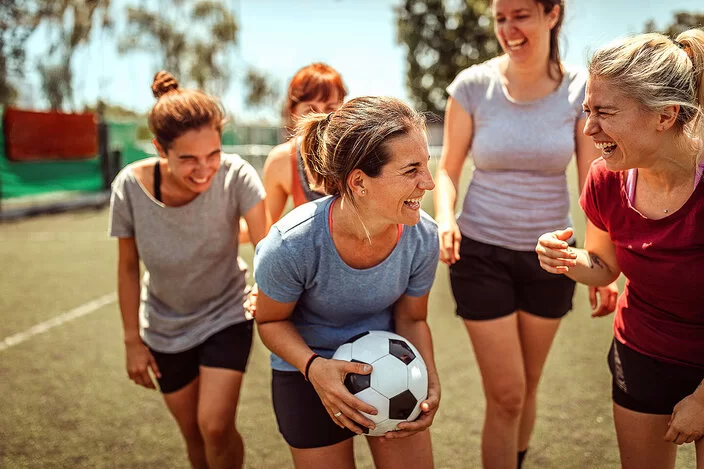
{"x": 593, "y": 259}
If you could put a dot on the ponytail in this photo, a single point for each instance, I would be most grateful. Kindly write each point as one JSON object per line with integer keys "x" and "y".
{"x": 311, "y": 128}
{"x": 692, "y": 41}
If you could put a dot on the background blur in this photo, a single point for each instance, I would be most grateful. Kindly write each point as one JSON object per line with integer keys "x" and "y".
{"x": 116, "y": 46}
{"x": 65, "y": 400}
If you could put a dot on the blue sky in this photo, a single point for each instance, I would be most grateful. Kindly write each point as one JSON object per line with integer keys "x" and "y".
{"x": 357, "y": 37}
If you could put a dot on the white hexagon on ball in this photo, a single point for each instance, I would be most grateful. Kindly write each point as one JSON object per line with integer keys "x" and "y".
{"x": 343, "y": 352}
{"x": 379, "y": 402}
{"x": 369, "y": 348}
{"x": 391, "y": 378}
{"x": 418, "y": 379}
{"x": 387, "y": 426}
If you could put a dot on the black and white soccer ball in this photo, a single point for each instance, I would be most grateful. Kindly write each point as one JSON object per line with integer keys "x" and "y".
{"x": 397, "y": 384}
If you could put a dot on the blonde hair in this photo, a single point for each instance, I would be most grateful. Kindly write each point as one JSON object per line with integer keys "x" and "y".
{"x": 658, "y": 72}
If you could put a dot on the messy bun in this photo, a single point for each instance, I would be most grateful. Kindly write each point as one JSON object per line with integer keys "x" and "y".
{"x": 163, "y": 83}
{"x": 179, "y": 110}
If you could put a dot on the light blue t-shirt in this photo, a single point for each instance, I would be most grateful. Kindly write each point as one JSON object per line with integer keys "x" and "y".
{"x": 298, "y": 261}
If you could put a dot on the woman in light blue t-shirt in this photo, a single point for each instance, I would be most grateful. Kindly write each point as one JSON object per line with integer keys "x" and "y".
{"x": 361, "y": 259}
{"x": 520, "y": 115}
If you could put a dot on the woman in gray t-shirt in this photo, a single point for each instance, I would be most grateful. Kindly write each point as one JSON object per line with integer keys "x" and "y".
{"x": 520, "y": 115}
{"x": 179, "y": 215}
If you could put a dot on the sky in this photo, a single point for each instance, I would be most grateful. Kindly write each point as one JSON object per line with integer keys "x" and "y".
{"x": 356, "y": 37}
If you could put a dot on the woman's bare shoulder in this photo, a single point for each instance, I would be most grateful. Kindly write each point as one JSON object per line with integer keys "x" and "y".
{"x": 278, "y": 161}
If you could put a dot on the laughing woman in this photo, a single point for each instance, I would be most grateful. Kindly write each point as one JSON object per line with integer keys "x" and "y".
{"x": 644, "y": 201}
{"x": 178, "y": 214}
{"x": 520, "y": 115}
{"x": 361, "y": 259}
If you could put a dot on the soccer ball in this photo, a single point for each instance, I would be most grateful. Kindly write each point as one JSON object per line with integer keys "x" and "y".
{"x": 397, "y": 384}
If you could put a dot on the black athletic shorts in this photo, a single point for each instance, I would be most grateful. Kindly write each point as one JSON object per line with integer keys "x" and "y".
{"x": 489, "y": 282}
{"x": 300, "y": 414}
{"x": 228, "y": 348}
{"x": 645, "y": 384}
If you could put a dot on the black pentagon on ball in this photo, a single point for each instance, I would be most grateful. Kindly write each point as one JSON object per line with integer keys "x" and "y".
{"x": 401, "y": 405}
{"x": 356, "y": 383}
{"x": 358, "y": 336}
{"x": 401, "y": 350}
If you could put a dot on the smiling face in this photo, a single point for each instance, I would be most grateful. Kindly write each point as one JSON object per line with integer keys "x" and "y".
{"x": 624, "y": 131}
{"x": 193, "y": 159}
{"x": 395, "y": 194}
{"x": 523, "y": 28}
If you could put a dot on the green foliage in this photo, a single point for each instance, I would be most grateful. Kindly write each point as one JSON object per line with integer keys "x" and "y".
{"x": 682, "y": 21}
{"x": 262, "y": 90}
{"x": 18, "y": 19}
{"x": 114, "y": 112}
{"x": 69, "y": 24}
{"x": 442, "y": 38}
{"x": 193, "y": 39}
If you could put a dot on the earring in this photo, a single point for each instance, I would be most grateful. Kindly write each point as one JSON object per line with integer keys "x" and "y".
{"x": 364, "y": 192}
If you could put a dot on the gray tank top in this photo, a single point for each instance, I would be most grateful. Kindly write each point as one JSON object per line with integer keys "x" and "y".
{"x": 309, "y": 193}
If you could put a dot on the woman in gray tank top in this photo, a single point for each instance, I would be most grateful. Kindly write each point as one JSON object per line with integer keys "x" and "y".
{"x": 520, "y": 115}
{"x": 178, "y": 214}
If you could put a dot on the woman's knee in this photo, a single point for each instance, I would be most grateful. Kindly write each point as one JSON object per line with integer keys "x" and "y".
{"x": 215, "y": 429}
{"x": 507, "y": 400}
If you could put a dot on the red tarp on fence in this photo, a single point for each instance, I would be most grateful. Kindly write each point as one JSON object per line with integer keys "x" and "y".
{"x": 37, "y": 136}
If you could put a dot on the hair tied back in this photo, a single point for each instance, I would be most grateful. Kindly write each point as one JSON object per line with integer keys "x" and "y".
{"x": 687, "y": 50}
{"x": 163, "y": 83}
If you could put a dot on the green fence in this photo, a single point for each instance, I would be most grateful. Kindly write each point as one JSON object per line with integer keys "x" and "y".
{"x": 18, "y": 179}
{"x": 43, "y": 179}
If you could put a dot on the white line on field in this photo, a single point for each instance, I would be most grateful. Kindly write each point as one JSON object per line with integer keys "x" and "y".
{"x": 62, "y": 318}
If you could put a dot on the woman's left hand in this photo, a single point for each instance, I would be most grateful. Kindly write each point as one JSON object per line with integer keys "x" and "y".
{"x": 605, "y": 304}
{"x": 428, "y": 409}
{"x": 687, "y": 422}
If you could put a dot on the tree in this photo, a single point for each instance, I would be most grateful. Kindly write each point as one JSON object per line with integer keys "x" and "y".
{"x": 18, "y": 19}
{"x": 194, "y": 40}
{"x": 69, "y": 24}
{"x": 682, "y": 22}
{"x": 441, "y": 41}
{"x": 262, "y": 90}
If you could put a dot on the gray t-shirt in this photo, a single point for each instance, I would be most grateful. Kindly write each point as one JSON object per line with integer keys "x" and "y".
{"x": 298, "y": 261}
{"x": 520, "y": 151}
{"x": 193, "y": 285}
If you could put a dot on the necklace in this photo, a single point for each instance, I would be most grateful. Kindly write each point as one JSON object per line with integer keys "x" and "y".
{"x": 666, "y": 211}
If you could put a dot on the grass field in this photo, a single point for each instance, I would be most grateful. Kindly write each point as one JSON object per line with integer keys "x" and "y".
{"x": 65, "y": 400}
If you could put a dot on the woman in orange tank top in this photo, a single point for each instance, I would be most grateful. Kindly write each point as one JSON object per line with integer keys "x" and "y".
{"x": 314, "y": 88}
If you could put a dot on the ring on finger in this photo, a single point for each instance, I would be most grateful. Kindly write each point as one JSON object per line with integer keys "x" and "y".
{"x": 337, "y": 414}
